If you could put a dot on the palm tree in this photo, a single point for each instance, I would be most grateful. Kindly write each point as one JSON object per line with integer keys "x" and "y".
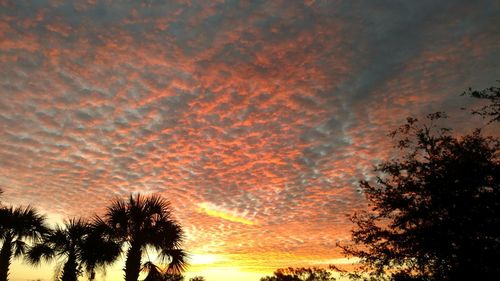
{"x": 146, "y": 222}
{"x": 78, "y": 245}
{"x": 99, "y": 250}
{"x": 155, "y": 273}
{"x": 18, "y": 226}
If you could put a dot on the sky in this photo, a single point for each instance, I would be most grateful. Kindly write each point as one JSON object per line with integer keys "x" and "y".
{"x": 255, "y": 119}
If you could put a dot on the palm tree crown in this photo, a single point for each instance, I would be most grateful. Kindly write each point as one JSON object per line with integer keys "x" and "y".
{"x": 78, "y": 245}
{"x": 146, "y": 222}
{"x": 18, "y": 226}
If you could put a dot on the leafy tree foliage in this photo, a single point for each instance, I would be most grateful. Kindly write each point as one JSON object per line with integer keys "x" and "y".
{"x": 300, "y": 274}
{"x": 435, "y": 209}
{"x": 492, "y": 109}
{"x": 18, "y": 227}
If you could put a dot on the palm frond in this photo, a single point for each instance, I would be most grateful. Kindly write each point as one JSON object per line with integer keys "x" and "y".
{"x": 39, "y": 252}
{"x": 166, "y": 235}
{"x": 59, "y": 240}
{"x": 177, "y": 260}
{"x": 30, "y": 223}
{"x": 20, "y": 248}
{"x": 116, "y": 218}
{"x": 20, "y": 225}
{"x": 157, "y": 205}
{"x": 150, "y": 266}
{"x": 98, "y": 249}
{"x": 76, "y": 229}
{"x": 155, "y": 273}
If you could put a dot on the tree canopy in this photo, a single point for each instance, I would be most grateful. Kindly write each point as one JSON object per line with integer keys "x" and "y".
{"x": 491, "y": 110}
{"x": 434, "y": 210}
{"x": 300, "y": 274}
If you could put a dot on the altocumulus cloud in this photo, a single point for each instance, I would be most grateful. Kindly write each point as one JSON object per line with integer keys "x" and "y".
{"x": 255, "y": 118}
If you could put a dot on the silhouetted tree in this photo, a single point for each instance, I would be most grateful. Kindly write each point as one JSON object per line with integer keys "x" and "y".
{"x": 300, "y": 274}
{"x": 64, "y": 243}
{"x": 172, "y": 277}
{"x": 155, "y": 273}
{"x": 78, "y": 246}
{"x": 98, "y": 250}
{"x": 490, "y": 111}
{"x": 435, "y": 209}
{"x": 18, "y": 226}
{"x": 197, "y": 278}
{"x": 143, "y": 222}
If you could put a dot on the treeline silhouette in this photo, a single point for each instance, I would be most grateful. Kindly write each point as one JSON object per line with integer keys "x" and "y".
{"x": 131, "y": 226}
{"x": 434, "y": 215}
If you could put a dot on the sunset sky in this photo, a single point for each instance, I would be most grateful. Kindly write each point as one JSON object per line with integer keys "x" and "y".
{"x": 256, "y": 119}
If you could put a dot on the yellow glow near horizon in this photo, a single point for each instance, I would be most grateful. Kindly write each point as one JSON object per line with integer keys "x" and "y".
{"x": 217, "y": 212}
{"x": 45, "y": 272}
{"x": 200, "y": 259}
{"x": 226, "y": 273}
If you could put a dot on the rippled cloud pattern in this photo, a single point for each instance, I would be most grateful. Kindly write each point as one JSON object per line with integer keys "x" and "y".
{"x": 256, "y": 119}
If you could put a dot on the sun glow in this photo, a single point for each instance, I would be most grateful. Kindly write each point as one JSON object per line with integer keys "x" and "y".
{"x": 229, "y": 273}
{"x": 201, "y": 259}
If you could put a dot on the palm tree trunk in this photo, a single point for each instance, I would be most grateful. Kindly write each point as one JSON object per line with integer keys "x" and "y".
{"x": 5, "y": 257}
{"x": 133, "y": 262}
{"x": 70, "y": 270}
{"x": 92, "y": 275}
